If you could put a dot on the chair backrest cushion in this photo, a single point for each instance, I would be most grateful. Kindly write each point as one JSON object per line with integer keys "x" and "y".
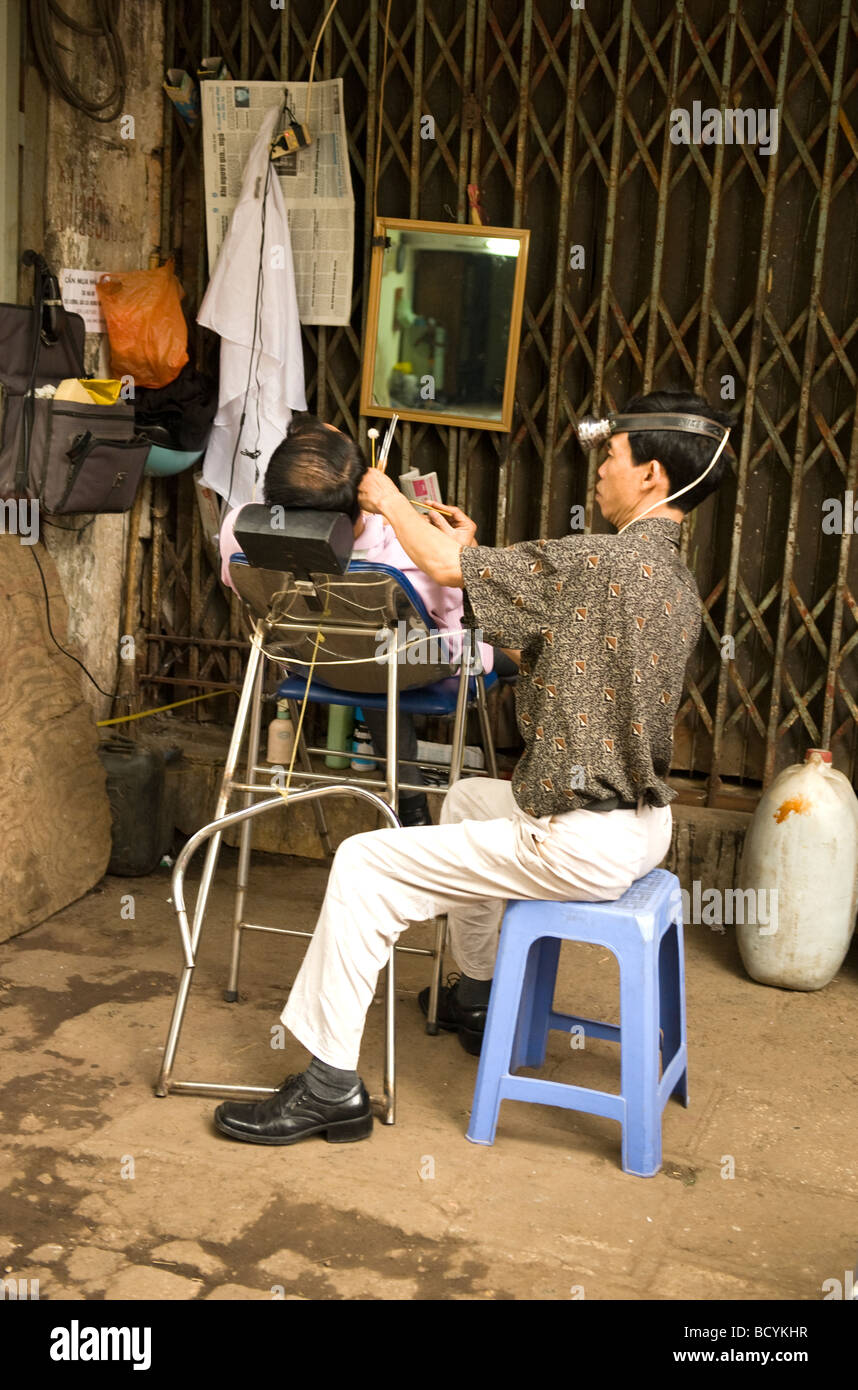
{"x": 298, "y": 540}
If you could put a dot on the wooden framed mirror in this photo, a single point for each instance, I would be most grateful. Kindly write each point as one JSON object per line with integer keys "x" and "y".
{"x": 444, "y": 322}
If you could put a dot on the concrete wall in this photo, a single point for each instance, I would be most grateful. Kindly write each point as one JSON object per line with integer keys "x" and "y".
{"x": 90, "y": 200}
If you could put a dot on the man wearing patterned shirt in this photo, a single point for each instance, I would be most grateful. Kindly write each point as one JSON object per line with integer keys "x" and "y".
{"x": 605, "y": 625}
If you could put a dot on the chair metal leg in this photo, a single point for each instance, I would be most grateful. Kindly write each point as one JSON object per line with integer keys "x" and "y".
{"x": 456, "y": 758}
{"x": 392, "y": 759}
{"x": 191, "y": 939}
{"x": 250, "y": 677}
{"x": 485, "y": 728}
{"x": 389, "y": 1111}
{"x": 165, "y": 1085}
{"x": 458, "y": 742}
{"x": 435, "y": 985}
{"x": 162, "y": 1086}
{"x": 230, "y": 994}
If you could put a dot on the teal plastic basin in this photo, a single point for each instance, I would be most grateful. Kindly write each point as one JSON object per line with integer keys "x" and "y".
{"x": 163, "y": 462}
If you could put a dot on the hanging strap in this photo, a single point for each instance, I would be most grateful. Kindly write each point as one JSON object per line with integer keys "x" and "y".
{"x": 41, "y": 274}
{"x": 23, "y": 472}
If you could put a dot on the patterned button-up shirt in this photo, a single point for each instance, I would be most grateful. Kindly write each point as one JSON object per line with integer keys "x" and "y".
{"x": 605, "y": 625}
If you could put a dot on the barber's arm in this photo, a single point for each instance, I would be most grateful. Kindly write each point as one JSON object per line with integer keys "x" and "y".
{"x": 435, "y": 548}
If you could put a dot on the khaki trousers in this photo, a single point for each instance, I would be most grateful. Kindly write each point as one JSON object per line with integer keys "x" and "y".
{"x": 484, "y": 852}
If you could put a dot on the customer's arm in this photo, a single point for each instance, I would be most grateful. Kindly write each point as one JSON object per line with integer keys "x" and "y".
{"x": 434, "y": 548}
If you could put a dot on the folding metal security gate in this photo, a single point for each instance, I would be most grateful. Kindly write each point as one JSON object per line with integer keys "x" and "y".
{"x": 715, "y": 266}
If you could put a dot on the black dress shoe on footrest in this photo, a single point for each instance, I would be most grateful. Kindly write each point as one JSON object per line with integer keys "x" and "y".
{"x": 294, "y": 1113}
{"x": 453, "y": 1017}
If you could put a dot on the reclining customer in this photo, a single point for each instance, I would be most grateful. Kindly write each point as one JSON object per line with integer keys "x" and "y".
{"x": 319, "y": 467}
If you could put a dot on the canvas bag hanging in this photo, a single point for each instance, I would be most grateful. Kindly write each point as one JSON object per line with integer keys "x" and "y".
{"x": 72, "y": 457}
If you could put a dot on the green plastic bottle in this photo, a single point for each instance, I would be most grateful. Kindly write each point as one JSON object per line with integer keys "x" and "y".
{"x": 341, "y": 719}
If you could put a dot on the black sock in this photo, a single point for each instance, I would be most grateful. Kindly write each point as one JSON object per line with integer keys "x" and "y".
{"x": 414, "y": 810}
{"x": 473, "y": 994}
{"x": 330, "y": 1083}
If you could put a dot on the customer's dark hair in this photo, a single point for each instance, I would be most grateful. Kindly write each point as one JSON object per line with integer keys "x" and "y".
{"x": 683, "y": 456}
{"x": 315, "y": 467}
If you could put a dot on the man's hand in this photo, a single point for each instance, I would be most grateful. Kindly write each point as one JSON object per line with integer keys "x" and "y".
{"x": 376, "y": 491}
{"x": 462, "y": 529}
{"x": 437, "y": 556}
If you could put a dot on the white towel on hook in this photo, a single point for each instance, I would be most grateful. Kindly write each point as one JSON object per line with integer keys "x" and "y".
{"x": 277, "y": 362}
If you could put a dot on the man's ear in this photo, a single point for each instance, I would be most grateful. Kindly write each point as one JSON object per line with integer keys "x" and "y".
{"x": 656, "y": 476}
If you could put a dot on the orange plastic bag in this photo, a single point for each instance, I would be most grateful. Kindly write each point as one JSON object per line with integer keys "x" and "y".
{"x": 145, "y": 324}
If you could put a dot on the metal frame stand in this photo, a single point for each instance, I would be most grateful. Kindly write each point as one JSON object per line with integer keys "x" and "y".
{"x": 250, "y": 710}
{"x": 392, "y": 787}
{"x": 191, "y": 939}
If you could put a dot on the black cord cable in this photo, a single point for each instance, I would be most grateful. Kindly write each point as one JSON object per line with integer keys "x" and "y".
{"x": 71, "y": 530}
{"x": 106, "y": 693}
{"x": 48, "y": 51}
{"x": 41, "y": 277}
{"x": 261, "y": 302}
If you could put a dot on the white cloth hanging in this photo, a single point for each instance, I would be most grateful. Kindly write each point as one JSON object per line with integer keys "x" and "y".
{"x": 276, "y": 364}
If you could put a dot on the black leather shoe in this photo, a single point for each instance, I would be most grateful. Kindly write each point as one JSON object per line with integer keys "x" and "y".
{"x": 470, "y": 1024}
{"x": 294, "y": 1113}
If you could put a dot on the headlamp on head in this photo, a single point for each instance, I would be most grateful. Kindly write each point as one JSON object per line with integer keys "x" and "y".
{"x": 593, "y": 432}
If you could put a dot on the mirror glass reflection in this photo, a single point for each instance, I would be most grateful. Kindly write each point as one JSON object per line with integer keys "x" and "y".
{"x": 445, "y": 316}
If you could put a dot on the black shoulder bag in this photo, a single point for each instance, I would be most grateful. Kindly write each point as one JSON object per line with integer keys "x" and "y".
{"x": 72, "y": 457}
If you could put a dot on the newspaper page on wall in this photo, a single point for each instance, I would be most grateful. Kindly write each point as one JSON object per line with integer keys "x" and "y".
{"x": 316, "y": 184}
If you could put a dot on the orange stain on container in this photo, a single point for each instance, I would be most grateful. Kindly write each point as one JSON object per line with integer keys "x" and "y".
{"x": 800, "y": 804}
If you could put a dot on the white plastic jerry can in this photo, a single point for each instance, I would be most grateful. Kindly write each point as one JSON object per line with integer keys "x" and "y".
{"x": 801, "y": 851}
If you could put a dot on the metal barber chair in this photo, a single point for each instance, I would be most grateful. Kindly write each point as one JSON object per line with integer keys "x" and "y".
{"x": 315, "y": 614}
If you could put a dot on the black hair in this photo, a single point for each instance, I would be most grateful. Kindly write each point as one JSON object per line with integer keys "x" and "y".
{"x": 683, "y": 456}
{"x": 315, "y": 467}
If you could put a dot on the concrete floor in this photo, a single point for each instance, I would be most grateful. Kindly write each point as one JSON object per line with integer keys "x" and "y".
{"x": 109, "y": 1192}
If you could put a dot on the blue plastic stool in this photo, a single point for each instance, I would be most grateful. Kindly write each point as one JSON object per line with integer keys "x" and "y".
{"x": 643, "y": 928}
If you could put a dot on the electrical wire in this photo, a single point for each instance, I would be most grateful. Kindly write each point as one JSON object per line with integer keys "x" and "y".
{"x": 688, "y": 486}
{"x": 70, "y": 530}
{"x": 357, "y": 661}
{"x": 255, "y": 451}
{"x": 48, "y": 52}
{"x": 101, "y": 691}
{"x": 29, "y": 407}
{"x": 380, "y": 119}
{"x": 159, "y": 709}
{"x": 365, "y": 660}
{"x": 331, "y": 9}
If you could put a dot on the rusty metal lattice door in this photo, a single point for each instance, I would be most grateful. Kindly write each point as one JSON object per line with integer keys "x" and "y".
{"x": 713, "y": 267}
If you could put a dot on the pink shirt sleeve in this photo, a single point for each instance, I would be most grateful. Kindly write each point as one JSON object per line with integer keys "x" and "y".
{"x": 228, "y": 545}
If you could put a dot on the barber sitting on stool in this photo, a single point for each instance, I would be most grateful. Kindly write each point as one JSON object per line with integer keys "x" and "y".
{"x": 605, "y": 625}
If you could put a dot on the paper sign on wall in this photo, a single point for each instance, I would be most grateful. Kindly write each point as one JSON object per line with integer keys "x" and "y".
{"x": 77, "y": 288}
